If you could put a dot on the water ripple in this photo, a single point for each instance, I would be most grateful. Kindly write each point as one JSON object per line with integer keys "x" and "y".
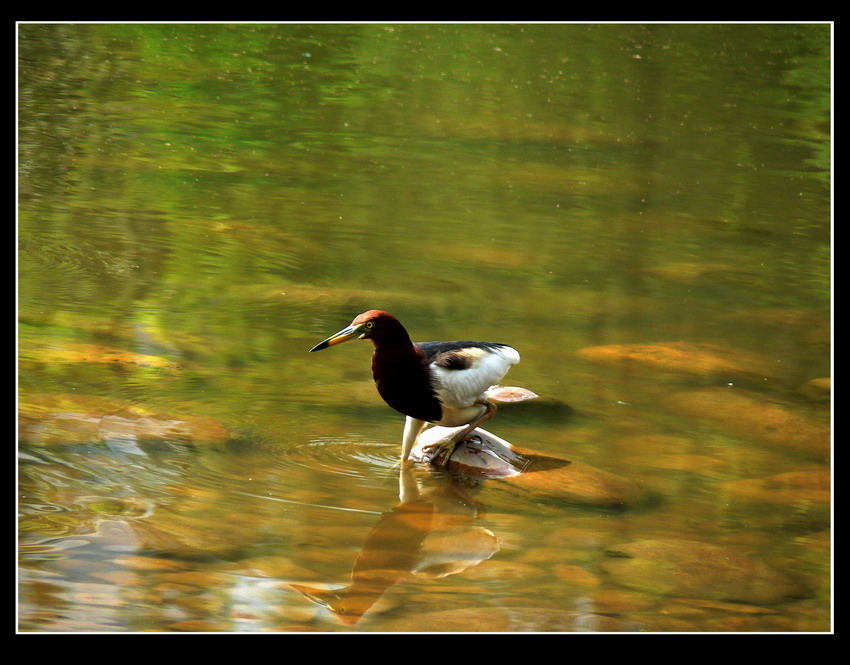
{"x": 351, "y": 456}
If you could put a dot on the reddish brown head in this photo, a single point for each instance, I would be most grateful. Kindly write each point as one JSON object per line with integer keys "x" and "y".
{"x": 379, "y": 326}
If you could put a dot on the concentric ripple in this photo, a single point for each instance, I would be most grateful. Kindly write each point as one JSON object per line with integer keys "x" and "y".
{"x": 351, "y": 456}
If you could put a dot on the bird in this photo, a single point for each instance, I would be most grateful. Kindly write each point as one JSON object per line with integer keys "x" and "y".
{"x": 442, "y": 383}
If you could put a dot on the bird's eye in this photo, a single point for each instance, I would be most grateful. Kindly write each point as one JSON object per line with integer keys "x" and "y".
{"x": 369, "y": 325}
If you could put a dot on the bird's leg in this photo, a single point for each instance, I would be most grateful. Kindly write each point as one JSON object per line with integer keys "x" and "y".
{"x": 446, "y": 447}
{"x": 412, "y": 428}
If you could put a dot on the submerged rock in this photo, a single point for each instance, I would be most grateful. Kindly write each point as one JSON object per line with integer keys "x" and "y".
{"x": 182, "y": 532}
{"x": 506, "y": 619}
{"x": 751, "y": 416}
{"x": 70, "y": 418}
{"x": 694, "y": 569}
{"x": 692, "y": 272}
{"x": 817, "y": 390}
{"x": 80, "y": 352}
{"x": 707, "y": 360}
{"x": 800, "y": 489}
{"x": 485, "y": 455}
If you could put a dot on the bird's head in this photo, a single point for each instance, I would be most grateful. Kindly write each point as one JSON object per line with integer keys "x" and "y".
{"x": 375, "y": 324}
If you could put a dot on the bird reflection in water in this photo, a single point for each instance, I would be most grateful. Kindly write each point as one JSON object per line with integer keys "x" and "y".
{"x": 427, "y": 535}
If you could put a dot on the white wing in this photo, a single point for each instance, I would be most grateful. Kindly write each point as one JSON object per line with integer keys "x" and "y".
{"x": 487, "y": 366}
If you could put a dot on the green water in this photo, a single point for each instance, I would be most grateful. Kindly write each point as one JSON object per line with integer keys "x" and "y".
{"x": 200, "y": 204}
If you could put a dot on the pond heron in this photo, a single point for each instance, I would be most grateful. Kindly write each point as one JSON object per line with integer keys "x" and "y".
{"x": 443, "y": 383}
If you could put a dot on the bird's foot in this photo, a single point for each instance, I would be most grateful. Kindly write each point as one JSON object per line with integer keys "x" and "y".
{"x": 438, "y": 453}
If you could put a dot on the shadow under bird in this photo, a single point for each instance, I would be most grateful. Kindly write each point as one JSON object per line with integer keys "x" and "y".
{"x": 443, "y": 383}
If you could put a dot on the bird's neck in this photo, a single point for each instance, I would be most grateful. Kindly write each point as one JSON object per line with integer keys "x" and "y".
{"x": 402, "y": 379}
{"x": 393, "y": 340}
{"x": 397, "y": 348}
{"x": 394, "y": 354}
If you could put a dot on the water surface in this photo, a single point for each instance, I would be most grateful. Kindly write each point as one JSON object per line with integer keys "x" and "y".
{"x": 200, "y": 204}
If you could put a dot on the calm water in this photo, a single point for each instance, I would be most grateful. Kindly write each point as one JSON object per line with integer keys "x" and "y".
{"x": 200, "y": 204}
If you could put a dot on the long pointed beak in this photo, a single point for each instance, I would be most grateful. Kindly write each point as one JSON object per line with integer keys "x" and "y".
{"x": 338, "y": 338}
